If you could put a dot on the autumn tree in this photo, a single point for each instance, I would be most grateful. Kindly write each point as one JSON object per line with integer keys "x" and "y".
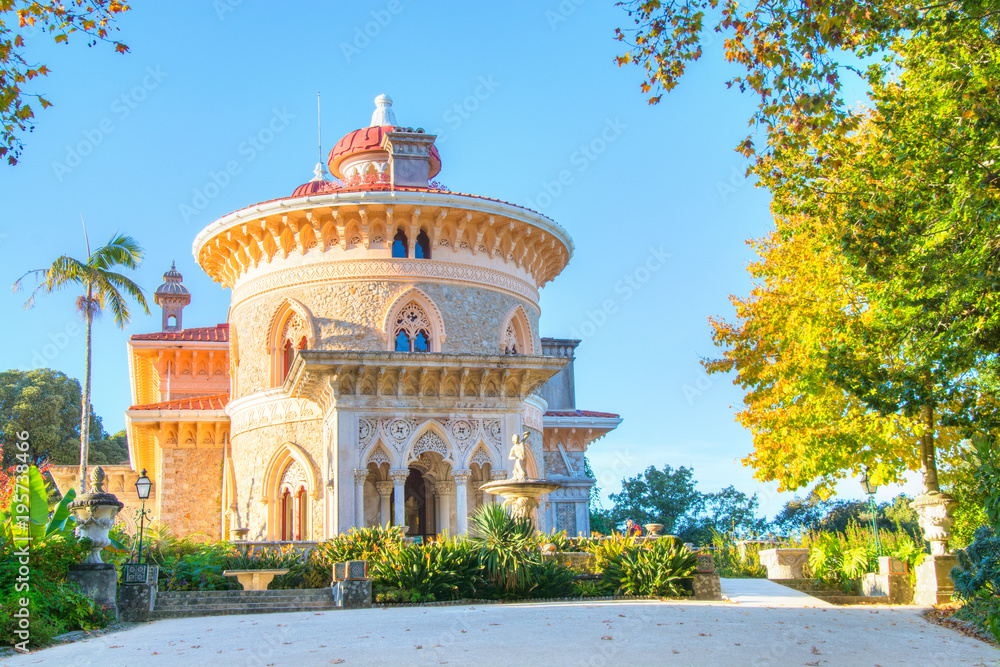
{"x": 91, "y": 19}
{"x": 898, "y": 197}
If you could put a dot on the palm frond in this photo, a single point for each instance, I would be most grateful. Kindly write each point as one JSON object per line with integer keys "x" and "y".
{"x": 129, "y": 287}
{"x": 121, "y": 250}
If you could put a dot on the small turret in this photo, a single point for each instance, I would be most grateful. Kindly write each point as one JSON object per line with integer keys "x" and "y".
{"x": 172, "y": 296}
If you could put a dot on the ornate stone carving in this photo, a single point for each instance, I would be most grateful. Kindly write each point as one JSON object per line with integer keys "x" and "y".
{"x": 294, "y": 477}
{"x": 481, "y": 457}
{"x": 411, "y": 320}
{"x": 511, "y": 345}
{"x": 492, "y": 431}
{"x": 399, "y": 476}
{"x": 384, "y": 487}
{"x": 461, "y": 476}
{"x": 431, "y": 442}
{"x": 366, "y": 430}
{"x": 378, "y": 457}
{"x": 360, "y": 476}
{"x": 497, "y": 475}
{"x": 398, "y": 430}
{"x": 374, "y": 269}
{"x": 936, "y": 519}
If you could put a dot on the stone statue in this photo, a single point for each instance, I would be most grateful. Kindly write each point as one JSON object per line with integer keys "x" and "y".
{"x": 518, "y": 454}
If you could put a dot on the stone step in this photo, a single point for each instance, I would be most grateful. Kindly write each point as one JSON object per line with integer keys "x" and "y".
{"x": 179, "y": 604}
{"x": 245, "y": 594}
{"x": 231, "y": 610}
{"x": 281, "y": 602}
{"x": 240, "y": 599}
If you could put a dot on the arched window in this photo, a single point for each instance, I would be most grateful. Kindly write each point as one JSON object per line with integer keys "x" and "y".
{"x": 300, "y": 525}
{"x": 399, "y": 244}
{"x": 515, "y": 336}
{"x": 286, "y": 516}
{"x": 288, "y": 354}
{"x": 291, "y": 331}
{"x": 423, "y": 249}
{"x": 412, "y": 329}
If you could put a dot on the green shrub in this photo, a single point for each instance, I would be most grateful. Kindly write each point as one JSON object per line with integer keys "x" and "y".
{"x": 552, "y": 580}
{"x": 978, "y": 571}
{"x": 374, "y": 545}
{"x": 441, "y": 570}
{"x": 589, "y": 588}
{"x": 730, "y": 563}
{"x": 55, "y": 605}
{"x": 662, "y": 568}
{"x": 508, "y": 551}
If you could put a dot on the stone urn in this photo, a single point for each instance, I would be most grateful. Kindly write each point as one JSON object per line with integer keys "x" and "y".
{"x": 936, "y": 519}
{"x": 95, "y": 513}
{"x": 653, "y": 529}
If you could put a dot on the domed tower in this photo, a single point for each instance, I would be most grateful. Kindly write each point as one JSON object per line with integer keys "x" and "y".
{"x": 384, "y": 343}
{"x": 171, "y": 297}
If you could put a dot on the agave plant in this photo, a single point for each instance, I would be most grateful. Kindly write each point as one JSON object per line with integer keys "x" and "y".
{"x": 507, "y": 550}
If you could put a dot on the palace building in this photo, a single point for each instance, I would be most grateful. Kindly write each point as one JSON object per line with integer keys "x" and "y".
{"x": 381, "y": 349}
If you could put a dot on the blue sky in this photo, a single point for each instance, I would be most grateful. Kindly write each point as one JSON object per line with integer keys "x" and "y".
{"x": 215, "y": 109}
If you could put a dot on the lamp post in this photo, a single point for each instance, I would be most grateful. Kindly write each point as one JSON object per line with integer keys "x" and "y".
{"x": 870, "y": 488}
{"x": 143, "y": 485}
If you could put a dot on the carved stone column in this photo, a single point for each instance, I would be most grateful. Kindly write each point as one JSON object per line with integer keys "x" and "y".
{"x": 399, "y": 490}
{"x": 359, "y": 497}
{"x": 444, "y": 492}
{"x": 461, "y": 478}
{"x": 384, "y": 492}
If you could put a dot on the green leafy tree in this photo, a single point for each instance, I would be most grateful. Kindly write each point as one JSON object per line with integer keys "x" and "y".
{"x": 666, "y": 496}
{"x": 600, "y": 518}
{"x": 19, "y": 19}
{"x": 103, "y": 287}
{"x": 46, "y": 404}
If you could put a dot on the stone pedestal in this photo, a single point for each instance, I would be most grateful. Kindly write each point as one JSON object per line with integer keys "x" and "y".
{"x": 353, "y": 594}
{"x": 892, "y": 581}
{"x": 934, "y": 584}
{"x": 707, "y": 585}
{"x": 784, "y": 563}
{"x": 97, "y": 581}
{"x": 136, "y": 602}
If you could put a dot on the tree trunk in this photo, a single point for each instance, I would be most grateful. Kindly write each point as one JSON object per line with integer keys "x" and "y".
{"x": 928, "y": 455}
{"x": 85, "y": 408}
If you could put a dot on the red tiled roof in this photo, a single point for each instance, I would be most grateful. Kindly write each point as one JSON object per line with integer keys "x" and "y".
{"x": 217, "y": 334}
{"x": 370, "y": 139}
{"x": 581, "y": 413}
{"x": 311, "y": 188}
{"x": 217, "y": 402}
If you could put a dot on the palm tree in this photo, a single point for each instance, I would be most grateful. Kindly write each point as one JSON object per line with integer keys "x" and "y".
{"x": 103, "y": 288}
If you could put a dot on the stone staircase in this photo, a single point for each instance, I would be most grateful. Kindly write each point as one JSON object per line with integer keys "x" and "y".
{"x": 181, "y": 604}
{"x": 828, "y": 592}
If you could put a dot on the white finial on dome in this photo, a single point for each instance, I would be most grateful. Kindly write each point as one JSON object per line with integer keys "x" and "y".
{"x": 383, "y": 114}
{"x": 321, "y": 174}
